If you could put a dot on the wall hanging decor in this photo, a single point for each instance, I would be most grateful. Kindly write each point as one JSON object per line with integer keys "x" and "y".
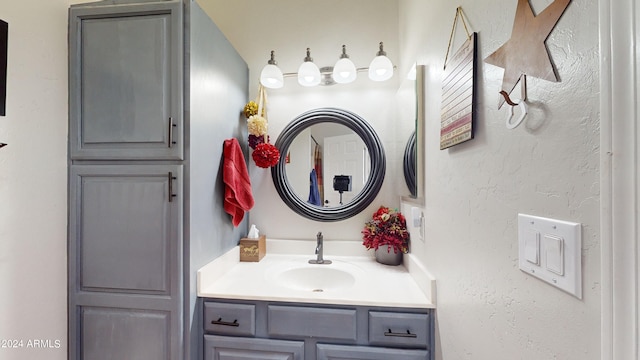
{"x": 4, "y": 36}
{"x": 264, "y": 154}
{"x": 458, "y": 89}
{"x": 520, "y": 103}
{"x": 525, "y": 53}
{"x": 4, "y": 40}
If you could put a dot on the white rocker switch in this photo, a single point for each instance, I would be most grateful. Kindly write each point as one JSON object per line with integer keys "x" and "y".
{"x": 532, "y": 246}
{"x": 554, "y": 254}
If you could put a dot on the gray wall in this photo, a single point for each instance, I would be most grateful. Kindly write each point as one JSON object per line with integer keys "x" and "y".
{"x": 217, "y": 92}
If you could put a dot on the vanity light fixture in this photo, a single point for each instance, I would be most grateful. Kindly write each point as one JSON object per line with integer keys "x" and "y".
{"x": 308, "y": 72}
{"x": 271, "y": 75}
{"x": 344, "y": 71}
{"x": 381, "y": 68}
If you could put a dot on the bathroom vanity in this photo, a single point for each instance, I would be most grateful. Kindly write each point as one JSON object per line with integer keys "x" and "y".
{"x": 283, "y": 330}
{"x": 285, "y": 308}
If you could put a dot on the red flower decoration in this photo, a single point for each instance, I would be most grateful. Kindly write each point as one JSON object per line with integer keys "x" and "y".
{"x": 255, "y": 140}
{"x": 387, "y": 227}
{"x": 265, "y": 155}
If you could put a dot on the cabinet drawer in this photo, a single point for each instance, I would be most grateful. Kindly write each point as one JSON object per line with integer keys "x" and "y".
{"x": 327, "y": 323}
{"x": 236, "y": 348}
{"x": 398, "y": 329}
{"x": 229, "y": 319}
{"x": 343, "y": 352}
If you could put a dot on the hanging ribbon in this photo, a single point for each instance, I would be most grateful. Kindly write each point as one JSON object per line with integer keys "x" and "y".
{"x": 265, "y": 154}
{"x": 262, "y": 107}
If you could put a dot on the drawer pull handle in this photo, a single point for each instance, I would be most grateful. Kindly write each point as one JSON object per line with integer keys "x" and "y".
{"x": 171, "y": 126}
{"x": 171, "y": 178}
{"x": 407, "y": 335}
{"x": 225, "y": 323}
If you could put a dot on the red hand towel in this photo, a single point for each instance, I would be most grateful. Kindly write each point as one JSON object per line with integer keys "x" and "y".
{"x": 237, "y": 194}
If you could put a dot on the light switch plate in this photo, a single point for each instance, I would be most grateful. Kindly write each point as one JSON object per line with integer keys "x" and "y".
{"x": 417, "y": 220}
{"x": 559, "y": 256}
{"x": 416, "y": 216}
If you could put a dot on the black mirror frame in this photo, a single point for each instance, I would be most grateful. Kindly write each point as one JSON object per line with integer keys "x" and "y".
{"x": 409, "y": 165}
{"x": 376, "y": 153}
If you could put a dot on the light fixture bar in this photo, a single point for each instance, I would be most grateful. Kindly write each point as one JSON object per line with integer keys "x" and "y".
{"x": 360, "y": 69}
{"x": 344, "y": 71}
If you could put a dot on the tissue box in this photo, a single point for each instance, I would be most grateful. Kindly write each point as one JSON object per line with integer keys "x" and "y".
{"x": 253, "y": 250}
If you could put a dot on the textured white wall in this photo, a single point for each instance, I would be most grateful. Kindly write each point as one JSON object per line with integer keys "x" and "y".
{"x": 33, "y": 181}
{"x": 549, "y": 166}
{"x": 487, "y": 308}
{"x": 289, "y": 27}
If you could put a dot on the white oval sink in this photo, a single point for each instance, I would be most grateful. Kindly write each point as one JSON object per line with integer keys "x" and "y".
{"x": 317, "y": 278}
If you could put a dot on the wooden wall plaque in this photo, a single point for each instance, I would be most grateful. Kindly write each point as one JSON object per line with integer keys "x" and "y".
{"x": 458, "y": 96}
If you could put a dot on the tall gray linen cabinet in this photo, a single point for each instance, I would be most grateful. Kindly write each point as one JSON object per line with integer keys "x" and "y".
{"x": 154, "y": 90}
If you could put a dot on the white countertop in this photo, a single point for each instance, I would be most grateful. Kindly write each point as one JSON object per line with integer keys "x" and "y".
{"x": 367, "y": 282}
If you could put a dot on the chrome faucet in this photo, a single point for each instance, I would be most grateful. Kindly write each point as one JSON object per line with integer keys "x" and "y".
{"x": 319, "y": 251}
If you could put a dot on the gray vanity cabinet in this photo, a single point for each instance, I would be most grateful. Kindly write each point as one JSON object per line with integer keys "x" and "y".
{"x": 126, "y": 85}
{"x": 239, "y": 329}
{"x": 154, "y": 90}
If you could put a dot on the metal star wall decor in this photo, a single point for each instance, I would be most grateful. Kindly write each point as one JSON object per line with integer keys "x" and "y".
{"x": 525, "y": 53}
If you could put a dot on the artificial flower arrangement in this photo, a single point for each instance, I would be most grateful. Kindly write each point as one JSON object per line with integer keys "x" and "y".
{"x": 264, "y": 153}
{"x": 388, "y": 227}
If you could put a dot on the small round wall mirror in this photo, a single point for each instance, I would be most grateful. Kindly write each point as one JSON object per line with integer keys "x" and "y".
{"x": 332, "y": 164}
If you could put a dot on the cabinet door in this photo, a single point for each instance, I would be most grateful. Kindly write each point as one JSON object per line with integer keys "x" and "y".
{"x": 342, "y": 352}
{"x": 125, "y": 256}
{"x": 125, "y": 81}
{"x": 236, "y": 348}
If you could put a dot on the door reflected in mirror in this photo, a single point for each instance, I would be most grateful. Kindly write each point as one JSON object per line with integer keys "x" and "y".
{"x": 327, "y": 165}
{"x": 374, "y": 166}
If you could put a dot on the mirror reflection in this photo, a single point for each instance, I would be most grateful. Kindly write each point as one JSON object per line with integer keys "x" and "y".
{"x": 410, "y": 131}
{"x": 373, "y": 170}
{"x": 327, "y": 165}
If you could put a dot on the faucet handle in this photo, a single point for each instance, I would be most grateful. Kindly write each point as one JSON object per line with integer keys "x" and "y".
{"x": 319, "y": 235}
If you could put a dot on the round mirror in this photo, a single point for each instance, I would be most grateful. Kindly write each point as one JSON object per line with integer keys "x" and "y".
{"x": 332, "y": 164}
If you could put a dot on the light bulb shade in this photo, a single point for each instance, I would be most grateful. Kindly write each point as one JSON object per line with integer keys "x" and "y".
{"x": 271, "y": 77}
{"x": 308, "y": 74}
{"x": 380, "y": 69}
{"x": 344, "y": 71}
